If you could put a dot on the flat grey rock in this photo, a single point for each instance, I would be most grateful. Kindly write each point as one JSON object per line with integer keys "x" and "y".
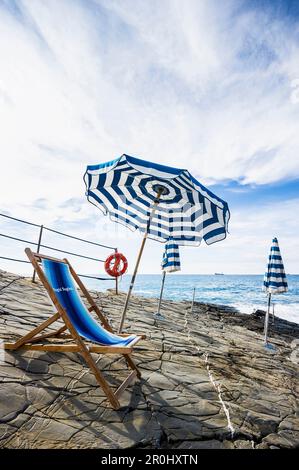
{"x": 207, "y": 380}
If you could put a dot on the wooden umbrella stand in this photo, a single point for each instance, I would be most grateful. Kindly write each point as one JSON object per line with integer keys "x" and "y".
{"x": 154, "y": 208}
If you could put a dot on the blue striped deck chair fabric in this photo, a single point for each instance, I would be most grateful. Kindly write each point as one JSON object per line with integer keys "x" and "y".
{"x": 61, "y": 281}
{"x": 87, "y": 334}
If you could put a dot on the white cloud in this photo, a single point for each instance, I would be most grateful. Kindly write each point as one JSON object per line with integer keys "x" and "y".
{"x": 204, "y": 85}
{"x": 163, "y": 79}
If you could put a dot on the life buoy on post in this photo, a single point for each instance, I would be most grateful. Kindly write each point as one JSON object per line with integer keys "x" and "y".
{"x": 116, "y": 265}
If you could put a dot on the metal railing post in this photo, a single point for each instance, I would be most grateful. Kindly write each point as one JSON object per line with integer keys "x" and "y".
{"x": 266, "y": 324}
{"x": 158, "y": 314}
{"x": 116, "y": 279}
{"x": 193, "y": 298}
{"x": 38, "y": 248}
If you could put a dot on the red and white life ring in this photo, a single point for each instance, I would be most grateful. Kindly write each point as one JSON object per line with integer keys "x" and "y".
{"x": 116, "y": 265}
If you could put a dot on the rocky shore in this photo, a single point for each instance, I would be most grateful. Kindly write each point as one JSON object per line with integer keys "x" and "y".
{"x": 207, "y": 380}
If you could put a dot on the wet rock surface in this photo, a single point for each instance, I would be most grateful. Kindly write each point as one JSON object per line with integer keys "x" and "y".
{"x": 207, "y": 380}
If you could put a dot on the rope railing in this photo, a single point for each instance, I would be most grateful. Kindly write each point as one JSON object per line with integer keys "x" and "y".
{"x": 71, "y": 253}
{"x": 18, "y": 239}
{"x": 39, "y": 245}
{"x": 80, "y": 275}
{"x": 59, "y": 233}
{"x": 19, "y": 220}
{"x": 96, "y": 277}
{"x": 14, "y": 259}
{"x": 51, "y": 248}
{"x": 80, "y": 239}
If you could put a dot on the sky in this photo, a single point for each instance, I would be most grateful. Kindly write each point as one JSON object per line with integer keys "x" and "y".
{"x": 207, "y": 85}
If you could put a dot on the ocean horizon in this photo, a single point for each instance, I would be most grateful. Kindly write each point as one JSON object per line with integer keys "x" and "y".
{"x": 242, "y": 291}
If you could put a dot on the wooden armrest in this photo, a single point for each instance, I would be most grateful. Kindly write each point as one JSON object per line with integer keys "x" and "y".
{"x": 141, "y": 336}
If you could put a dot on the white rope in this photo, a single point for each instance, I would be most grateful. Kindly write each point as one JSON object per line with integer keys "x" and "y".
{"x": 215, "y": 384}
{"x": 217, "y": 387}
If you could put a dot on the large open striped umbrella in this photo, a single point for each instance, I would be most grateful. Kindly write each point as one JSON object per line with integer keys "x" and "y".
{"x": 275, "y": 281}
{"x": 160, "y": 201}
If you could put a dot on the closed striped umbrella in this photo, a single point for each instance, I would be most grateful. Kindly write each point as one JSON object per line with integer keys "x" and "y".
{"x": 158, "y": 200}
{"x": 170, "y": 264}
{"x": 275, "y": 281}
{"x": 171, "y": 257}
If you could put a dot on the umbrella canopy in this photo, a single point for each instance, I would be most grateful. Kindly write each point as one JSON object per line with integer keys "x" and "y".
{"x": 171, "y": 257}
{"x": 161, "y": 201}
{"x": 275, "y": 281}
{"x": 126, "y": 189}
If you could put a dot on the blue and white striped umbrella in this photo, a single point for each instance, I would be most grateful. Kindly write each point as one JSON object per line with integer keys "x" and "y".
{"x": 275, "y": 281}
{"x": 171, "y": 257}
{"x": 126, "y": 189}
{"x": 162, "y": 202}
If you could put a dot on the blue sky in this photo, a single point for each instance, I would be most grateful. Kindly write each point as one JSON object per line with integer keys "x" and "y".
{"x": 208, "y": 85}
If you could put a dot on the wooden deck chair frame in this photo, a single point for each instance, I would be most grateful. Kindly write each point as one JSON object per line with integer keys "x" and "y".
{"x": 32, "y": 340}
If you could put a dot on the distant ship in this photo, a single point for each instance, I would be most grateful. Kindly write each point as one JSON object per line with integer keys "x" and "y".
{"x": 218, "y": 274}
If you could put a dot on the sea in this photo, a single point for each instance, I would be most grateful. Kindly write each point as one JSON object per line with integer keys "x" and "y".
{"x": 244, "y": 292}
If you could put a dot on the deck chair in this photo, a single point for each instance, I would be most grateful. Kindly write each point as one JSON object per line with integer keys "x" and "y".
{"x": 58, "y": 276}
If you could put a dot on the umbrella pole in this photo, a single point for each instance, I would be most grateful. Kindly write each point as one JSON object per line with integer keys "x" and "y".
{"x": 193, "y": 298}
{"x": 161, "y": 294}
{"x": 267, "y": 319}
{"x": 137, "y": 262}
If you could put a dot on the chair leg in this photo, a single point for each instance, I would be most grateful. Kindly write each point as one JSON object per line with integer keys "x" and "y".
{"x": 125, "y": 383}
{"x": 132, "y": 364}
{"x": 100, "y": 378}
